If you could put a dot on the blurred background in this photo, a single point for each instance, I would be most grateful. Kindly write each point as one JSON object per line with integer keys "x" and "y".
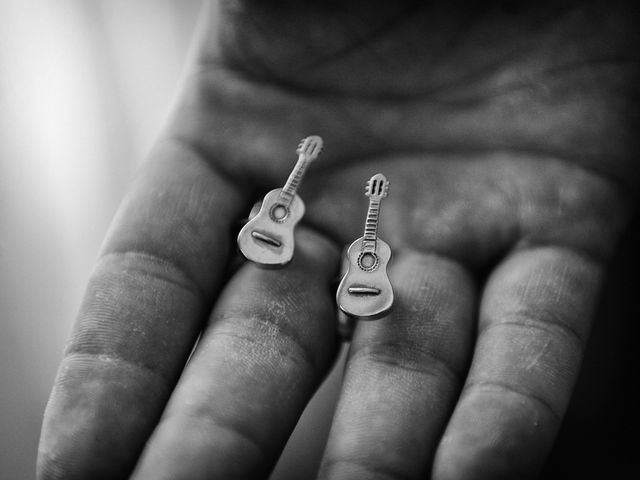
{"x": 84, "y": 86}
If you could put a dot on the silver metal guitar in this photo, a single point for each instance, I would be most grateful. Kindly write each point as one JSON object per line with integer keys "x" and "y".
{"x": 365, "y": 291}
{"x": 267, "y": 238}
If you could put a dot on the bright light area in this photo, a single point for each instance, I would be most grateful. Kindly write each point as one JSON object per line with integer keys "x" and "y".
{"x": 84, "y": 87}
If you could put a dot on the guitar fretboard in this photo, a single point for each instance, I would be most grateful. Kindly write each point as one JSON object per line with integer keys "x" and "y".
{"x": 295, "y": 177}
{"x": 371, "y": 226}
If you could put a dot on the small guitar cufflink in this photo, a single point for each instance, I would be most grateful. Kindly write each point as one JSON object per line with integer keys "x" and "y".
{"x": 365, "y": 291}
{"x": 267, "y": 238}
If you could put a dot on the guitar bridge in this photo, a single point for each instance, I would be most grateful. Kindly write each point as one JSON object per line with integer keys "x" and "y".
{"x": 360, "y": 290}
{"x": 266, "y": 239}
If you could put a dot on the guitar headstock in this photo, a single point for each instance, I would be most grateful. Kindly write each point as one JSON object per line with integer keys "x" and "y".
{"x": 377, "y": 187}
{"x": 310, "y": 147}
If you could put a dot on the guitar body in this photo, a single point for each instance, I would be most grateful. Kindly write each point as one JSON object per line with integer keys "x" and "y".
{"x": 267, "y": 238}
{"x": 365, "y": 291}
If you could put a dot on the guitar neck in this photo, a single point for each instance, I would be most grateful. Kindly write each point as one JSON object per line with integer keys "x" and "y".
{"x": 295, "y": 177}
{"x": 371, "y": 226}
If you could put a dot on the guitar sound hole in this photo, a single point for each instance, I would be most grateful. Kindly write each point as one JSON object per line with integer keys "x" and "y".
{"x": 368, "y": 261}
{"x": 279, "y": 213}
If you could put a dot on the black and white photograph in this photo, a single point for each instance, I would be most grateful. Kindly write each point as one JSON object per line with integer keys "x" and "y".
{"x": 319, "y": 239}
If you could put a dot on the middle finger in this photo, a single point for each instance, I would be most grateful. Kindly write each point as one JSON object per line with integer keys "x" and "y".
{"x": 403, "y": 374}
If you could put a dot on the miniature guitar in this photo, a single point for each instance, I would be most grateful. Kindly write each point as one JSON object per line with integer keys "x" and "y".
{"x": 267, "y": 238}
{"x": 365, "y": 291}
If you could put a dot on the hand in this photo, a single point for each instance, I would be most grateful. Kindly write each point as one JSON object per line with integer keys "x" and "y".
{"x": 507, "y": 135}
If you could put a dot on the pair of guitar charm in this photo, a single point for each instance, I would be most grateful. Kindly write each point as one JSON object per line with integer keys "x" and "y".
{"x": 365, "y": 291}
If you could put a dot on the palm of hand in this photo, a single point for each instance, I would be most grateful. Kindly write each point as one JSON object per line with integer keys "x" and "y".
{"x": 507, "y": 197}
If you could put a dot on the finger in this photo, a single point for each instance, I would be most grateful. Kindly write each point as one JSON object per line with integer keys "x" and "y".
{"x": 271, "y": 340}
{"x": 403, "y": 374}
{"x": 143, "y": 309}
{"x": 534, "y": 320}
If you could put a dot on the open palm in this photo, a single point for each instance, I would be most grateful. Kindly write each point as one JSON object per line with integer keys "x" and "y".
{"x": 507, "y": 135}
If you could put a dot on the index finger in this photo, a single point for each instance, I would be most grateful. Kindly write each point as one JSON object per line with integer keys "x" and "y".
{"x": 143, "y": 309}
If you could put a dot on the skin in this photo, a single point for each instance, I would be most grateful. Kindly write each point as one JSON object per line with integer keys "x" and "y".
{"x": 508, "y": 133}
